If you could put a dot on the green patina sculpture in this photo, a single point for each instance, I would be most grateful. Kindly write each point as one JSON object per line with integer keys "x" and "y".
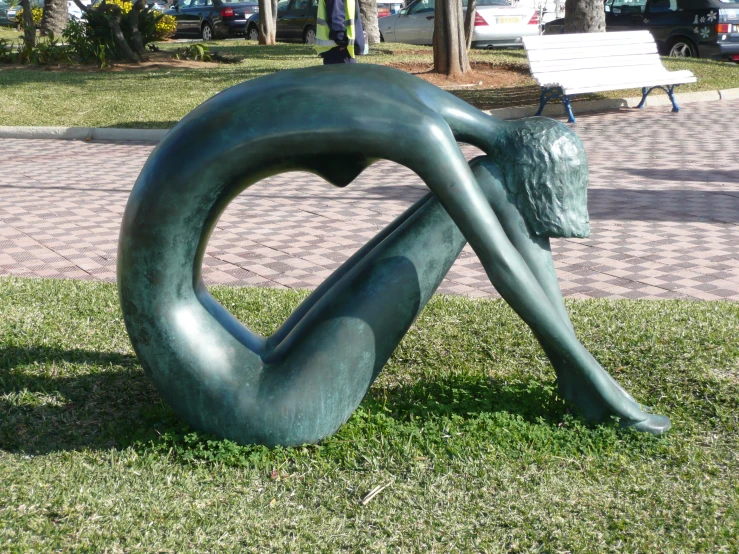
{"x": 301, "y": 383}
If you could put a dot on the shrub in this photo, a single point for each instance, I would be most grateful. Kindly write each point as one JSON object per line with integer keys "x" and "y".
{"x": 47, "y": 51}
{"x": 37, "y": 13}
{"x": 82, "y": 42}
{"x": 92, "y": 39}
{"x": 166, "y": 25}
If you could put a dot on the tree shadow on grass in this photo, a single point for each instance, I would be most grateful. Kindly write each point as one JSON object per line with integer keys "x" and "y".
{"x": 104, "y": 400}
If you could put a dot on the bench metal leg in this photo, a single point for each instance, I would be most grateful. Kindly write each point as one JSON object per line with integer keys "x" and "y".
{"x": 554, "y": 93}
{"x": 670, "y": 90}
{"x": 544, "y": 98}
{"x": 566, "y": 102}
{"x": 671, "y": 94}
{"x": 644, "y": 92}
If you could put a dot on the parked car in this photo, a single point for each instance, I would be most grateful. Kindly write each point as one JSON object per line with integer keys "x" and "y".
{"x": 497, "y": 23}
{"x": 296, "y": 22}
{"x": 11, "y": 12}
{"x": 681, "y": 28}
{"x": 387, "y": 8}
{"x": 4, "y": 19}
{"x": 211, "y": 19}
{"x": 7, "y": 14}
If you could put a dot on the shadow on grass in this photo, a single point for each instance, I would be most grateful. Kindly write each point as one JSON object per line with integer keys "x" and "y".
{"x": 105, "y": 401}
{"x": 148, "y": 124}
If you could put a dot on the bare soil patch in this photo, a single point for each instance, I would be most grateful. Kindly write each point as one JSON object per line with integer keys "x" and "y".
{"x": 484, "y": 75}
{"x": 154, "y": 61}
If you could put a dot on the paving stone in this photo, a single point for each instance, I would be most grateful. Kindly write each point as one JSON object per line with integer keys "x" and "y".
{"x": 664, "y": 211}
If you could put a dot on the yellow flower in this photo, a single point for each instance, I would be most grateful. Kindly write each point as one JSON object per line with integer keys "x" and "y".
{"x": 37, "y": 13}
{"x": 165, "y": 27}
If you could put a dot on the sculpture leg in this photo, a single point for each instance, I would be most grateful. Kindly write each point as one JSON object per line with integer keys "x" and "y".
{"x": 574, "y": 386}
{"x": 452, "y": 181}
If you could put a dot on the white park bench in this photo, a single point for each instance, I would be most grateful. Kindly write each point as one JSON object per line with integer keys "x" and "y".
{"x": 565, "y": 65}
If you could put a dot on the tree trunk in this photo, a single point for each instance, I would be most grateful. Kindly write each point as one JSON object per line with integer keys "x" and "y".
{"x": 55, "y": 17}
{"x": 133, "y": 21}
{"x": 585, "y": 16}
{"x": 469, "y": 22}
{"x": 267, "y": 21}
{"x": 29, "y": 28}
{"x": 120, "y": 40}
{"x": 368, "y": 13}
{"x": 450, "y": 48}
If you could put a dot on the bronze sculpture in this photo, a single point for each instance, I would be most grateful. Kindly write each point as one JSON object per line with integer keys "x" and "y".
{"x": 301, "y": 383}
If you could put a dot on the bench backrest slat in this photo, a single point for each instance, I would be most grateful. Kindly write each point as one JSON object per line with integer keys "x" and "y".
{"x": 592, "y": 52}
{"x": 585, "y": 39}
{"x": 614, "y": 62}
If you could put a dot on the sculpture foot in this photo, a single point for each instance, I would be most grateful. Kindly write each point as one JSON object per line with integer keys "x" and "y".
{"x": 593, "y": 405}
{"x": 654, "y": 424}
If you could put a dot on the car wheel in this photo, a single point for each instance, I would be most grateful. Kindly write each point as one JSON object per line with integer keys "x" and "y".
{"x": 309, "y": 36}
{"x": 683, "y": 48}
{"x": 206, "y": 32}
{"x": 252, "y": 33}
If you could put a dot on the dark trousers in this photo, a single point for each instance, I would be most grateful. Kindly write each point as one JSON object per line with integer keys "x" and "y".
{"x": 337, "y": 55}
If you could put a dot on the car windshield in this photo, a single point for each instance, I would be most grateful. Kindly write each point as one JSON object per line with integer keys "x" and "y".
{"x": 489, "y": 3}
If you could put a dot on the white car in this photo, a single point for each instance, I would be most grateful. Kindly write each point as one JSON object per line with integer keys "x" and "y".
{"x": 497, "y": 23}
{"x": 72, "y": 10}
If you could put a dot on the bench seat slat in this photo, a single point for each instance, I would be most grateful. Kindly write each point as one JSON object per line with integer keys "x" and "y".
{"x": 655, "y": 82}
{"x": 605, "y": 77}
{"x": 605, "y": 82}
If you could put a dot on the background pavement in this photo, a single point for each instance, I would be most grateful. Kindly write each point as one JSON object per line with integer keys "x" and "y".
{"x": 663, "y": 201}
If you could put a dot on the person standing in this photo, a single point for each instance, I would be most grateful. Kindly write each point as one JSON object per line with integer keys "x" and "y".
{"x": 339, "y": 32}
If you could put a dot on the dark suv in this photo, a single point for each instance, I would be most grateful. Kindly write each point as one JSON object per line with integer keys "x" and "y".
{"x": 296, "y": 22}
{"x": 684, "y": 28}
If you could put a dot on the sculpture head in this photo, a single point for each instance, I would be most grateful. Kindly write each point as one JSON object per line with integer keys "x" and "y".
{"x": 546, "y": 172}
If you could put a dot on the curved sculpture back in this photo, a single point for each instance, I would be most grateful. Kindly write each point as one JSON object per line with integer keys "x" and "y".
{"x": 300, "y": 384}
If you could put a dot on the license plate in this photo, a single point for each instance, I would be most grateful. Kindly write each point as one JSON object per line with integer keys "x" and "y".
{"x": 507, "y": 20}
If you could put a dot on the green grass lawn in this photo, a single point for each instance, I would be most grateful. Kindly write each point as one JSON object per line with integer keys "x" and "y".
{"x": 159, "y": 98}
{"x": 464, "y": 425}
{"x": 9, "y": 33}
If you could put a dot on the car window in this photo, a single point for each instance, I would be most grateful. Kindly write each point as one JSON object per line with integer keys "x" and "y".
{"x": 489, "y": 3}
{"x": 662, "y": 6}
{"x": 185, "y": 3}
{"x": 197, "y": 3}
{"x": 627, "y": 6}
{"x": 301, "y": 5}
{"x": 422, "y": 6}
{"x": 209, "y": 3}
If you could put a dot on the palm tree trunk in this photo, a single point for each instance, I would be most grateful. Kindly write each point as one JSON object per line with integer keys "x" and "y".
{"x": 585, "y": 16}
{"x": 55, "y": 17}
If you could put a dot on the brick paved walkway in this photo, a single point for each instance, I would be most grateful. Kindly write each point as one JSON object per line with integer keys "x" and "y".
{"x": 663, "y": 200}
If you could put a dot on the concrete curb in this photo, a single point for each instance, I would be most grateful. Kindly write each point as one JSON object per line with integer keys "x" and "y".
{"x": 83, "y": 133}
{"x": 552, "y": 110}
